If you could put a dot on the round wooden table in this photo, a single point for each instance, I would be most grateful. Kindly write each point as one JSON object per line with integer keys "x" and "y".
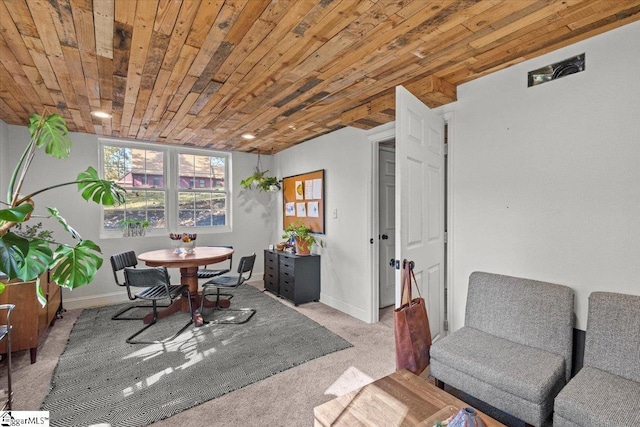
{"x": 188, "y": 265}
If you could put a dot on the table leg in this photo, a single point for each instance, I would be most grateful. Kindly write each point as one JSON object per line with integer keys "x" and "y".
{"x": 189, "y": 277}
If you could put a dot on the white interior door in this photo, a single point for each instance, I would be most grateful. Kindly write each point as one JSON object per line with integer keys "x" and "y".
{"x": 420, "y": 201}
{"x": 386, "y": 225}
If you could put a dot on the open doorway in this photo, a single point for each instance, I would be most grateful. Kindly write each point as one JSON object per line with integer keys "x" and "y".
{"x": 386, "y": 223}
{"x": 383, "y": 214}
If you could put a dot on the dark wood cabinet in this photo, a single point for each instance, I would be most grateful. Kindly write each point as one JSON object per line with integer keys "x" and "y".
{"x": 29, "y": 319}
{"x": 296, "y": 278}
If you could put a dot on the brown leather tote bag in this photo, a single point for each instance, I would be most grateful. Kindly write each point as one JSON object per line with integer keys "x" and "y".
{"x": 411, "y": 328}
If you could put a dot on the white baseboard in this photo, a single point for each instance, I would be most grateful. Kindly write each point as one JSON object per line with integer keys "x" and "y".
{"x": 349, "y": 309}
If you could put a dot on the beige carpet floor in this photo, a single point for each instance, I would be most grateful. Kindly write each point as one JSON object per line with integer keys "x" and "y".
{"x": 285, "y": 399}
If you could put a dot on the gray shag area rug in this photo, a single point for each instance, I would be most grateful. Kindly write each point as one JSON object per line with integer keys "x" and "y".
{"x": 102, "y": 379}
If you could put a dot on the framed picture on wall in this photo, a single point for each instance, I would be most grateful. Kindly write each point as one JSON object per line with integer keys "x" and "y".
{"x": 303, "y": 200}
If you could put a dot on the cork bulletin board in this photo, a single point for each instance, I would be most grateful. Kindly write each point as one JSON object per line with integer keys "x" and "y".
{"x": 303, "y": 200}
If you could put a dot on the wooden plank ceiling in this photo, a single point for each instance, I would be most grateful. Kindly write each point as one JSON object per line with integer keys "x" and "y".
{"x": 203, "y": 72}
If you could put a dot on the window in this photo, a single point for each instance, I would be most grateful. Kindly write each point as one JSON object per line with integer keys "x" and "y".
{"x": 133, "y": 169}
{"x": 193, "y": 196}
{"x": 205, "y": 206}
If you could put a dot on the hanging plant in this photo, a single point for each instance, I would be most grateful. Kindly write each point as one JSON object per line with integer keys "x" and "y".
{"x": 261, "y": 181}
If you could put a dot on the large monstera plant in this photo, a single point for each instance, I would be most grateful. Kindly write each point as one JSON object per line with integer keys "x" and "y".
{"x": 26, "y": 257}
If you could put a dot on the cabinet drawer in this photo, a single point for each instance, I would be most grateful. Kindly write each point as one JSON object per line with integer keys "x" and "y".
{"x": 270, "y": 258}
{"x": 271, "y": 268}
{"x": 287, "y": 263}
{"x": 287, "y": 288}
{"x": 271, "y": 278}
{"x": 287, "y": 272}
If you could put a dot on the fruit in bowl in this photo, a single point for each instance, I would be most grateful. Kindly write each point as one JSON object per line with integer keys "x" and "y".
{"x": 184, "y": 242}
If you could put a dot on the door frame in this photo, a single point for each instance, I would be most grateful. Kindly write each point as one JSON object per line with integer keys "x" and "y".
{"x": 376, "y": 136}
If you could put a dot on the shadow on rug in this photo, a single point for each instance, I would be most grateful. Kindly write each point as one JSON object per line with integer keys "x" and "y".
{"x": 102, "y": 379}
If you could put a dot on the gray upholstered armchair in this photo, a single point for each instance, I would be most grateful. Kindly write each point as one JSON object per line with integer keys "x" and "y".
{"x": 606, "y": 391}
{"x": 515, "y": 349}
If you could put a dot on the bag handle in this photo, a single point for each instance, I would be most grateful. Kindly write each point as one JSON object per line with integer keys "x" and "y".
{"x": 415, "y": 282}
{"x": 406, "y": 282}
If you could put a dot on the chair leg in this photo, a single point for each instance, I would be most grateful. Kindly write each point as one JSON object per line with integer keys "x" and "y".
{"x": 9, "y": 391}
{"x": 218, "y": 295}
{"x": 131, "y": 340}
{"x": 223, "y": 320}
{"x": 118, "y": 315}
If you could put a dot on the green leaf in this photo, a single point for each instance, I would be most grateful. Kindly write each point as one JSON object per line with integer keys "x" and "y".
{"x": 37, "y": 260}
{"x": 13, "y": 250}
{"x": 17, "y": 214}
{"x": 2, "y": 286}
{"x": 76, "y": 266}
{"x": 101, "y": 191}
{"x": 51, "y": 133}
{"x": 34, "y": 125}
{"x": 54, "y": 212}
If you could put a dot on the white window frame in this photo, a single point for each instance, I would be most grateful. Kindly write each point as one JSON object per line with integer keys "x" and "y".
{"x": 171, "y": 155}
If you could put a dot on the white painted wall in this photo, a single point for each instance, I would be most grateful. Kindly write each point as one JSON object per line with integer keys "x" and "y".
{"x": 345, "y": 155}
{"x": 253, "y": 215}
{"x": 546, "y": 180}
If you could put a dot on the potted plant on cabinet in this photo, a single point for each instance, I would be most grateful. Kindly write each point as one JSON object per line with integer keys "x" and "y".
{"x": 302, "y": 235}
{"x": 27, "y": 257}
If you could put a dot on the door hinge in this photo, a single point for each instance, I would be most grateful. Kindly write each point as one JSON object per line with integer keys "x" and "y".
{"x": 446, "y": 237}
{"x": 446, "y": 149}
{"x": 445, "y": 326}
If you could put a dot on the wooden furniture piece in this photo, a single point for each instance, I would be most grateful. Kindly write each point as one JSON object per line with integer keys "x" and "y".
{"x": 296, "y": 278}
{"x": 399, "y": 399}
{"x": 29, "y": 319}
{"x": 188, "y": 265}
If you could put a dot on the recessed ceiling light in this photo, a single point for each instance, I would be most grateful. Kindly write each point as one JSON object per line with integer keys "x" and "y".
{"x": 101, "y": 114}
{"x": 248, "y": 136}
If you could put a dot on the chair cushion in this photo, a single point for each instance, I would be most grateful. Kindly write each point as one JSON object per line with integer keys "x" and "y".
{"x": 523, "y": 371}
{"x": 597, "y": 398}
{"x": 225, "y": 280}
{"x": 613, "y": 334}
{"x": 529, "y": 312}
{"x": 207, "y": 274}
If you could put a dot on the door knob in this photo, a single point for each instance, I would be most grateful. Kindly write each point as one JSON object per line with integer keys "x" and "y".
{"x": 392, "y": 263}
{"x": 385, "y": 237}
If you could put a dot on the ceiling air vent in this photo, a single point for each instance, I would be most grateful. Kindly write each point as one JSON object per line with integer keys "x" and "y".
{"x": 557, "y": 70}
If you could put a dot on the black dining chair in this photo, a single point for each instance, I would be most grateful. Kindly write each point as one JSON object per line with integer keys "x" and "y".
{"x": 207, "y": 273}
{"x": 155, "y": 286}
{"x": 118, "y": 263}
{"x": 230, "y": 281}
{"x": 5, "y": 334}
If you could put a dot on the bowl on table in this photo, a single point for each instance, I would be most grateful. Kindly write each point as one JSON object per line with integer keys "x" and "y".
{"x": 183, "y": 242}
